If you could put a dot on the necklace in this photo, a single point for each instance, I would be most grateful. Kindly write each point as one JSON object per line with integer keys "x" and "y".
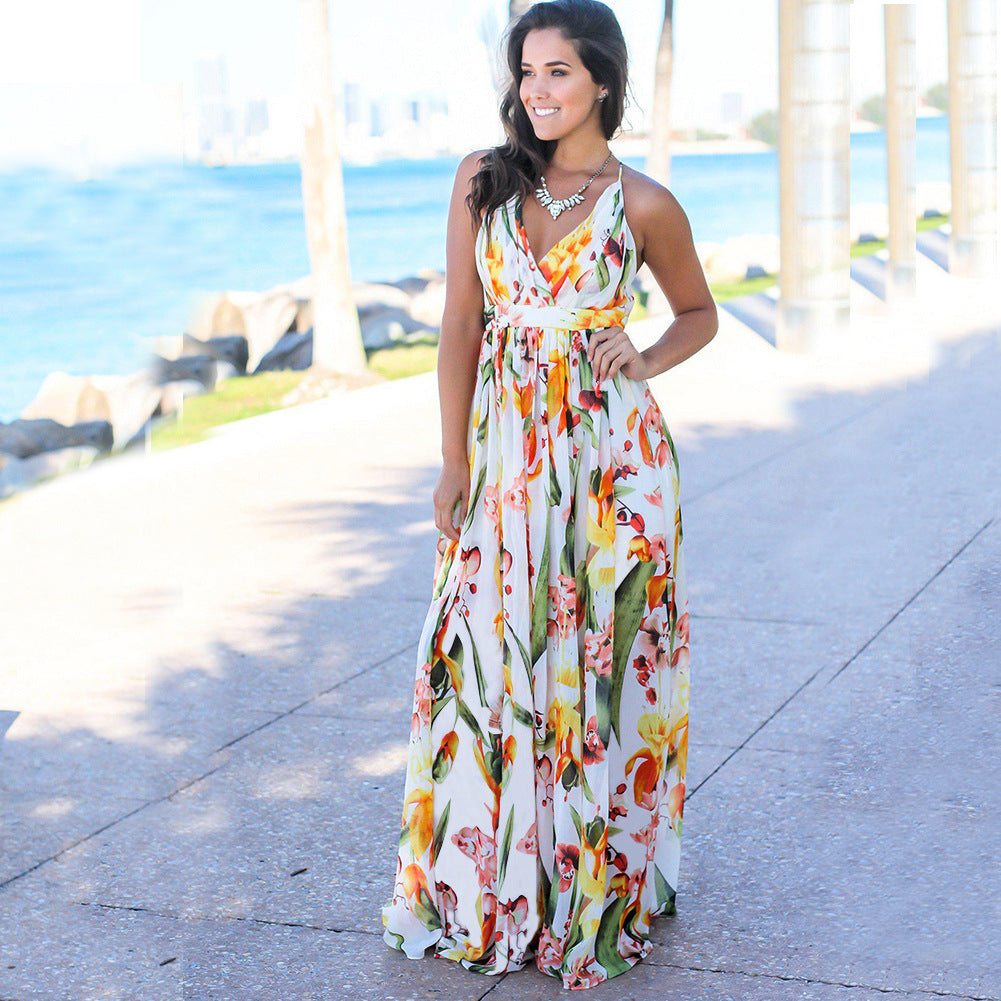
{"x": 558, "y": 205}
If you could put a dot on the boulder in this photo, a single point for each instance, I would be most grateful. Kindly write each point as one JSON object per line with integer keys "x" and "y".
{"x": 16, "y": 474}
{"x": 262, "y": 318}
{"x": 933, "y": 198}
{"x": 387, "y": 326}
{"x": 870, "y": 219}
{"x": 199, "y": 367}
{"x": 174, "y": 393}
{"x": 231, "y": 348}
{"x": 23, "y": 438}
{"x": 293, "y": 351}
{"x": 126, "y": 401}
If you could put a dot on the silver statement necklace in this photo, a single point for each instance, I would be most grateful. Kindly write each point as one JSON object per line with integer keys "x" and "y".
{"x": 558, "y": 205}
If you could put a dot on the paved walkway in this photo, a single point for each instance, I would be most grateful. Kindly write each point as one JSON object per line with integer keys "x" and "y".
{"x": 206, "y": 659}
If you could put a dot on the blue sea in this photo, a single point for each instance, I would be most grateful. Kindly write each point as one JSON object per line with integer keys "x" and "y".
{"x": 91, "y": 267}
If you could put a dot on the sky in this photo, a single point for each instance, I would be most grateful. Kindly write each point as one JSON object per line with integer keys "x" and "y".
{"x": 111, "y": 60}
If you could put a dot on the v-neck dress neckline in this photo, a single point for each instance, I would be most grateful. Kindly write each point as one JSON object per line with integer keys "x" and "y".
{"x": 589, "y": 218}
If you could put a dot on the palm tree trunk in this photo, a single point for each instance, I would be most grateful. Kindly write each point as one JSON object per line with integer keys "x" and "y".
{"x": 658, "y": 162}
{"x": 337, "y": 341}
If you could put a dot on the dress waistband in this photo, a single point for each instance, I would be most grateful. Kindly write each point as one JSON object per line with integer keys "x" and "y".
{"x": 561, "y": 317}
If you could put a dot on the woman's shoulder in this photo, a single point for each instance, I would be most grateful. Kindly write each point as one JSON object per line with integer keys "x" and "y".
{"x": 473, "y": 160}
{"x": 652, "y": 206}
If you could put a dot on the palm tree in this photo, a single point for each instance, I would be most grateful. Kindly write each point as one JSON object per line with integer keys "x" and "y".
{"x": 337, "y": 341}
{"x": 658, "y": 162}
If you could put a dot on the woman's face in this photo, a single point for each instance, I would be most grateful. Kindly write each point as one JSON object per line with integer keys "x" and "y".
{"x": 554, "y": 77}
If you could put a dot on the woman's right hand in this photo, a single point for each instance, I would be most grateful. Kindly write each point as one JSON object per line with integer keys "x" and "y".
{"x": 452, "y": 489}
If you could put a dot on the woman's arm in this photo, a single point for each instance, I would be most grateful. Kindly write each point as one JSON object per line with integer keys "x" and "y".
{"x": 462, "y": 320}
{"x": 669, "y": 250}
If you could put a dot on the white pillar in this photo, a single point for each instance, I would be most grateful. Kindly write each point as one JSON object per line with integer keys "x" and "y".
{"x": 901, "y": 153}
{"x": 973, "y": 137}
{"x": 814, "y": 172}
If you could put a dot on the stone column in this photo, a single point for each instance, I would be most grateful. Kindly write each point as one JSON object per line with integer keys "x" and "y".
{"x": 973, "y": 137}
{"x": 814, "y": 172}
{"x": 901, "y": 153}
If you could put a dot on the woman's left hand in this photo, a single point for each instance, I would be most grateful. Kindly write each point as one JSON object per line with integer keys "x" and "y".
{"x": 609, "y": 350}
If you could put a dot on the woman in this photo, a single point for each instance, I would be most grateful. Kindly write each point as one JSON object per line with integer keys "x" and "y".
{"x": 546, "y": 766}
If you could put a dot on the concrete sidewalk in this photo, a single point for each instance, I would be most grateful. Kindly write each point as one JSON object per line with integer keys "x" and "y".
{"x": 206, "y": 660}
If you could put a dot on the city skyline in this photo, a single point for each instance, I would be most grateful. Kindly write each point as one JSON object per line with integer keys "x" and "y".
{"x": 112, "y": 83}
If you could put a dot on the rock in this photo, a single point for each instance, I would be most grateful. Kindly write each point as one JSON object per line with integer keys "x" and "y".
{"x": 230, "y": 348}
{"x": 369, "y": 296}
{"x": 390, "y": 325}
{"x": 127, "y": 401}
{"x": 174, "y": 393}
{"x": 26, "y": 437}
{"x": 933, "y": 198}
{"x": 261, "y": 317}
{"x": 16, "y": 474}
{"x": 868, "y": 218}
{"x": 293, "y": 351}
{"x": 200, "y": 367}
{"x": 732, "y": 260}
{"x": 428, "y": 305}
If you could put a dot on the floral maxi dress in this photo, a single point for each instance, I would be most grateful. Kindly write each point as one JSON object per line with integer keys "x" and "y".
{"x": 547, "y": 751}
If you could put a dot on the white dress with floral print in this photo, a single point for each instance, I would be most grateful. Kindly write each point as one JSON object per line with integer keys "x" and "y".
{"x": 546, "y": 767}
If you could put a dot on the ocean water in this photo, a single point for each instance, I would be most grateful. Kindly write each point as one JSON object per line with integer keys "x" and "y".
{"x": 89, "y": 268}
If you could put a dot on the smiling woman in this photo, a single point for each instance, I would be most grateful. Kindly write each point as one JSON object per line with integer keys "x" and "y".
{"x": 545, "y": 785}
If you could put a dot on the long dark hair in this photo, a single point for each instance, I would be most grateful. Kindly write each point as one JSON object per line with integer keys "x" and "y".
{"x": 518, "y": 163}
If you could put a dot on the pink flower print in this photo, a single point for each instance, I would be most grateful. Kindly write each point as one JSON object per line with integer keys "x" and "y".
{"x": 567, "y": 861}
{"x": 648, "y": 835}
{"x": 422, "y": 702}
{"x": 544, "y": 779}
{"x": 594, "y": 750}
{"x": 549, "y": 952}
{"x": 651, "y": 641}
{"x": 598, "y": 650}
{"x": 529, "y": 844}
{"x": 513, "y": 914}
{"x": 623, "y": 467}
{"x": 563, "y": 595}
{"x": 681, "y": 629}
{"x": 658, "y": 551}
{"x": 491, "y": 504}
{"x": 449, "y": 906}
{"x": 582, "y": 975}
{"x": 482, "y": 849}
{"x": 517, "y": 495}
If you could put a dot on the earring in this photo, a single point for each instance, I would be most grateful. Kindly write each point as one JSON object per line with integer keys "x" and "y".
{"x": 603, "y": 96}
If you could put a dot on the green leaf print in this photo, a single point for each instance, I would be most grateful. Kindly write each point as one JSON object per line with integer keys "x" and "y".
{"x": 576, "y": 820}
{"x": 569, "y": 775}
{"x": 439, "y": 832}
{"x": 521, "y": 714}
{"x": 606, "y": 943}
{"x": 665, "y": 892}
{"x": 476, "y": 493}
{"x": 521, "y": 649}
{"x": 481, "y": 683}
{"x": 602, "y": 268}
{"x": 540, "y": 603}
{"x": 440, "y": 704}
{"x": 505, "y": 846}
{"x": 468, "y": 718}
{"x": 603, "y": 694}
{"x": 630, "y": 600}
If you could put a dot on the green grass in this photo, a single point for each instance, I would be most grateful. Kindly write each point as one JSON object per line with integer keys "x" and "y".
{"x": 248, "y": 396}
{"x": 233, "y": 400}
